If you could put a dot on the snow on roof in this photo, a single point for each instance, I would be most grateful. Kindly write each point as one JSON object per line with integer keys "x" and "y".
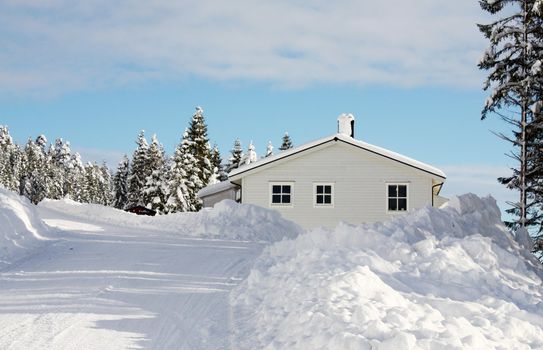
{"x": 340, "y": 137}
{"x": 216, "y": 188}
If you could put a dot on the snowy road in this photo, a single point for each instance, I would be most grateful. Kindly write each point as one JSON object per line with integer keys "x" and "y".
{"x": 101, "y": 286}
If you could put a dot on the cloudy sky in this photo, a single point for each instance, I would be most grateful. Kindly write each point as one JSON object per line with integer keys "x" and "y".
{"x": 96, "y": 72}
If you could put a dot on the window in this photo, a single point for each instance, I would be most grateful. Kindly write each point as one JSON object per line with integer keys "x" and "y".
{"x": 397, "y": 197}
{"x": 324, "y": 195}
{"x": 281, "y": 194}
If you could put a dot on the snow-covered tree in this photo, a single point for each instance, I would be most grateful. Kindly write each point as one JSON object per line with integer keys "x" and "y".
{"x": 35, "y": 181}
{"x": 251, "y": 155}
{"x": 269, "y": 150}
{"x": 287, "y": 142}
{"x": 155, "y": 192}
{"x": 139, "y": 172}
{"x": 218, "y": 169}
{"x": 200, "y": 147}
{"x": 120, "y": 184}
{"x": 236, "y": 156}
{"x": 184, "y": 179}
{"x": 10, "y": 160}
{"x": 97, "y": 184}
{"x": 514, "y": 62}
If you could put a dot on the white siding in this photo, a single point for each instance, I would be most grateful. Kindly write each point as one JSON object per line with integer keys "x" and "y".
{"x": 211, "y": 200}
{"x": 360, "y": 185}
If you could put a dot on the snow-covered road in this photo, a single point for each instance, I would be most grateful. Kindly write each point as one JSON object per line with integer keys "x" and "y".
{"x": 100, "y": 286}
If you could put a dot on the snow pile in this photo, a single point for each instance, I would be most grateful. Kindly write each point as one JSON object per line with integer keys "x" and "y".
{"x": 21, "y": 230}
{"x": 227, "y": 220}
{"x": 436, "y": 278}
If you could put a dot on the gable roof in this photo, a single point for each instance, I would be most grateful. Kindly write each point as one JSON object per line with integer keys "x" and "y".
{"x": 348, "y": 140}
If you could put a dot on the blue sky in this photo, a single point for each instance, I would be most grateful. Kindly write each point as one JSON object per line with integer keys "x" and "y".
{"x": 95, "y": 73}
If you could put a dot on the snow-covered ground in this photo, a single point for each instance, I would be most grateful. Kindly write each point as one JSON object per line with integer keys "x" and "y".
{"x": 112, "y": 280}
{"x": 98, "y": 278}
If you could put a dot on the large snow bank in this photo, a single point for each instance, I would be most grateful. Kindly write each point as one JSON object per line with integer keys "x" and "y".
{"x": 21, "y": 229}
{"x": 450, "y": 278}
{"x": 227, "y": 219}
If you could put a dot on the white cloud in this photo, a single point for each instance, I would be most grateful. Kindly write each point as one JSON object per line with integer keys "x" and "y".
{"x": 64, "y": 45}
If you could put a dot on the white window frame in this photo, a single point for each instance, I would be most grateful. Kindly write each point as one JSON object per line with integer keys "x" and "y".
{"x": 333, "y": 194}
{"x": 281, "y": 183}
{"x": 406, "y": 184}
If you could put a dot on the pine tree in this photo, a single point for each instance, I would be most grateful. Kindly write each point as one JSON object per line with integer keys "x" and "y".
{"x": 120, "y": 184}
{"x": 184, "y": 179}
{"x": 35, "y": 181}
{"x": 218, "y": 169}
{"x": 76, "y": 176}
{"x": 513, "y": 60}
{"x": 138, "y": 172}
{"x": 10, "y": 159}
{"x": 155, "y": 192}
{"x": 269, "y": 150}
{"x": 251, "y": 155}
{"x": 200, "y": 147}
{"x": 287, "y": 142}
{"x": 236, "y": 156}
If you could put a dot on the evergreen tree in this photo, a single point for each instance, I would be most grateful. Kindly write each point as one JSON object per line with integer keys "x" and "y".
{"x": 200, "y": 148}
{"x": 155, "y": 192}
{"x": 287, "y": 143}
{"x": 138, "y": 172}
{"x": 218, "y": 169}
{"x": 76, "y": 176}
{"x": 35, "y": 180}
{"x": 269, "y": 150}
{"x": 184, "y": 179}
{"x": 97, "y": 184}
{"x": 236, "y": 156}
{"x": 10, "y": 159}
{"x": 251, "y": 155}
{"x": 120, "y": 184}
{"x": 513, "y": 60}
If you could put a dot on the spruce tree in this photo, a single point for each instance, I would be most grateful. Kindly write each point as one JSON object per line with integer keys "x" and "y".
{"x": 269, "y": 150}
{"x": 184, "y": 179}
{"x": 218, "y": 169}
{"x": 155, "y": 192}
{"x": 10, "y": 161}
{"x": 120, "y": 184}
{"x": 139, "y": 172}
{"x": 200, "y": 147}
{"x": 287, "y": 142}
{"x": 513, "y": 60}
{"x": 251, "y": 155}
{"x": 236, "y": 156}
{"x": 34, "y": 182}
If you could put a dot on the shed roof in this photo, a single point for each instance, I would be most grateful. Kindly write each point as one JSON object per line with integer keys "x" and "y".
{"x": 216, "y": 188}
{"x": 346, "y": 139}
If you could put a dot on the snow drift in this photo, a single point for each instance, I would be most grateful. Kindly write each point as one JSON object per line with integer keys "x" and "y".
{"x": 450, "y": 278}
{"x": 21, "y": 229}
{"x": 227, "y": 220}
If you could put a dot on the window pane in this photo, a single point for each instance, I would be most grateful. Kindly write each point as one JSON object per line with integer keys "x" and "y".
{"x": 319, "y": 199}
{"x": 392, "y": 191}
{"x": 286, "y": 188}
{"x": 402, "y": 191}
{"x": 328, "y": 199}
{"x": 328, "y": 189}
{"x": 402, "y": 204}
{"x": 320, "y": 189}
{"x": 276, "y": 189}
{"x": 392, "y": 204}
{"x": 285, "y": 198}
{"x": 276, "y": 198}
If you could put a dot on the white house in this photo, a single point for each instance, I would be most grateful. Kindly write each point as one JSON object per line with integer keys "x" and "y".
{"x": 333, "y": 179}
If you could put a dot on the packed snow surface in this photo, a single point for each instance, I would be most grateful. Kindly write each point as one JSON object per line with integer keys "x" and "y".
{"x": 21, "y": 231}
{"x": 450, "y": 278}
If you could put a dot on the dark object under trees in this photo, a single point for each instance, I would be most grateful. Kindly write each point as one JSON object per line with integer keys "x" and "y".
{"x": 141, "y": 210}
{"x": 513, "y": 60}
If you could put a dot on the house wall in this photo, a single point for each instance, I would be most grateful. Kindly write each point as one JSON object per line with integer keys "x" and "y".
{"x": 360, "y": 185}
{"x": 211, "y": 200}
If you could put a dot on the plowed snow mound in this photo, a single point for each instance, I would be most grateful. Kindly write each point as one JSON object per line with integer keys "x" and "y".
{"x": 451, "y": 278}
{"x": 228, "y": 220}
{"x": 21, "y": 229}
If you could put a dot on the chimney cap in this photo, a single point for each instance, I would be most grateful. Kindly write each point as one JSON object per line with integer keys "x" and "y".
{"x": 345, "y": 123}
